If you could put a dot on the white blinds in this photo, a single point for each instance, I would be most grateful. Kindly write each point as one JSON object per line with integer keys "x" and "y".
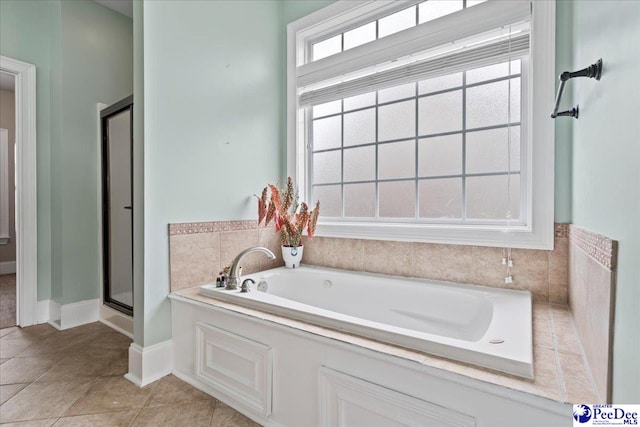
{"x": 485, "y": 34}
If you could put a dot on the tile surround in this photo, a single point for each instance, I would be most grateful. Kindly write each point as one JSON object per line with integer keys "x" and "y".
{"x": 198, "y": 251}
{"x": 592, "y": 265}
{"x": 579, "y": 271}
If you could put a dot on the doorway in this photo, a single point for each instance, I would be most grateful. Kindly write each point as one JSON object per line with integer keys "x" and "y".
{"x": 25, "y": 195}
{"x": 117, "y": 205}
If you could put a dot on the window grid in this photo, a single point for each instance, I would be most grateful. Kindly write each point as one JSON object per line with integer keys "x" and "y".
{"x": 417, "y": 178}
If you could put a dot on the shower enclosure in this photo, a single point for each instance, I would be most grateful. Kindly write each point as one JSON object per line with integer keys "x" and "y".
{"x": 117, "y": 205}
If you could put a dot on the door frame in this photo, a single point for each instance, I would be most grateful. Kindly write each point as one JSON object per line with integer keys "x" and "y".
{"x": 105, "y": 113}
{"x": 26, "y": 194}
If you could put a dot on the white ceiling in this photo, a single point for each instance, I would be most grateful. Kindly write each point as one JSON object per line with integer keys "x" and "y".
{"x": 125, "y": 7}
{"x": 7, "y": 82}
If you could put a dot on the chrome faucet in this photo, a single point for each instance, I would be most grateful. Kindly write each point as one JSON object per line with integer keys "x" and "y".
{"x": 234, "y": 276}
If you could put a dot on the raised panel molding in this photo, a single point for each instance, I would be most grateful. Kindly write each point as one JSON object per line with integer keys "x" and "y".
{"x": 235, "y": 365}
{"x": 347, "y": 401}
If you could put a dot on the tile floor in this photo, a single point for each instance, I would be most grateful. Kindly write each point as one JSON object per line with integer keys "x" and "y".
{"x": 75, "y": 378}
{"x": 7, "y": 300}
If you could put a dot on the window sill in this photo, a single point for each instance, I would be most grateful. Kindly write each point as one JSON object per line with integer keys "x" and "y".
{"x": 524, "y": 237}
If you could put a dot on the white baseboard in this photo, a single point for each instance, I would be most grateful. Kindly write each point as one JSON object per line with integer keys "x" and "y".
{"x": 68, "y": 315}
{"x": 7, "y": 267}
{"x": 149, "y": 364}
{"x": 42, "y": 311}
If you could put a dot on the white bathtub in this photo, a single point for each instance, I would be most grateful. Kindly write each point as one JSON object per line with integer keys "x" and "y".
{"x": 473, "y": 324}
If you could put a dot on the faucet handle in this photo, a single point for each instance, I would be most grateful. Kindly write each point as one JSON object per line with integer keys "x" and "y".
{"x": 245, "y": 285}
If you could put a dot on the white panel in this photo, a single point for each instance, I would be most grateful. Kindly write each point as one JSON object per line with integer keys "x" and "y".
{"x": 350, "y": 401}
{"x": 237, "y": 366}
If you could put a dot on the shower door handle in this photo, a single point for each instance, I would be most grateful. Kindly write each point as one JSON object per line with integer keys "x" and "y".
{"x": 127, "y": 207}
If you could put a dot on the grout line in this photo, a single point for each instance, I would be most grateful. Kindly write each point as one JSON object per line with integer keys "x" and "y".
{"x": 587, "y": 367}
{"x": 136, "y": 416}
{"x": 556, "y": 355}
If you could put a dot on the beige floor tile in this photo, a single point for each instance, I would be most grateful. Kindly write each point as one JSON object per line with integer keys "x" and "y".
{"x": 109, "y": 341}
{"x": 11, "y": 348}
{"x": 27, "y": 369}
{"x": 225, "y": 416}
{"x": 120, "y": 366}
{"x": 194, "y": 414}
{"x": 47, "y": 422}
{"x": 109, "y": 394}
{"x": 171, "y": 390}
{"x": 107, "y": 419}
{"x": 37, "y": 332}
{"x": 43, "y": 400}
{"x": 7, "y": 331}
{"x": 69, "y": 343}
{"x": 10, "y": 390}
{"x": 86, "y": 364}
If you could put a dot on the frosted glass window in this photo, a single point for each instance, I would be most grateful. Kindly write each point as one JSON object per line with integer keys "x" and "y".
{"x": 440, "y": 83}
{"x": 487, "y": 197}
{"x": 360, "y": 35}
{"x": 360, "y": 127}
{"x": 440, "y": 198}
{"x": 397, "y": 121}
{"x": 360, "y": 101}
{"x": 331, "y": 198}
{"x": 492, "y": 72}
{"x": 360, "y": 200}
{"x": 327, "y": 108}
{"x": 439, "y": 156}
{"x": 327, "y": 133}
{"x": 397, "y": 22}
{"x": 326, "y": 167}
{"x": 397, "y": 92}
{"x": 327, "y": 47}
{"x": 487, "y": 105}
{"x": 433, "y": 9}
{"x": 440, "y": 113}
{"x": 397, "y": 199}
{"x": 360, "y": 164}
{"x": 397, "y": 160}
{"x": 487, "y": 150}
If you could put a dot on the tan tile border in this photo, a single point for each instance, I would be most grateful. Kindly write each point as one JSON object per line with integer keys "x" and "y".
{"x": 211, "y": 227}
{"x": 601, "y": 248}
{"x": 561, "y": 230}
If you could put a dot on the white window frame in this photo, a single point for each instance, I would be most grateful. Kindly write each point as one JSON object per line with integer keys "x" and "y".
{"x": 538, "y": 231}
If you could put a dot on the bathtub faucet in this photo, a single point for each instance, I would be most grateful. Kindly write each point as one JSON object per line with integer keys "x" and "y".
{"x": 234, "y": 276}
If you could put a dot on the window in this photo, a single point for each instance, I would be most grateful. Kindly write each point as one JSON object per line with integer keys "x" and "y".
{"x": 426, "y": 121}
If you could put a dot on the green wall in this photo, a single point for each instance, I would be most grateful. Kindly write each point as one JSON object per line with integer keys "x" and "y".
{"x": 28, "y": 32}
{"x": 211, "y": 125}
{"x": 97, "y": 61}
{"x": 606, "y": 162}
{"x": 83, "y": 55}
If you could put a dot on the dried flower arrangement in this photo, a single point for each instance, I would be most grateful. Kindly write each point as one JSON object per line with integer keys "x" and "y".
{"x": 290, "y": 215}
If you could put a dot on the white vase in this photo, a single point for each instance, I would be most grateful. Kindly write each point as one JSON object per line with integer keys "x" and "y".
{"x": 292, "y": 256}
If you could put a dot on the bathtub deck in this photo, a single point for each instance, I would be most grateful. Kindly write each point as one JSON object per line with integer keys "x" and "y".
{"x": 560, "y": 371}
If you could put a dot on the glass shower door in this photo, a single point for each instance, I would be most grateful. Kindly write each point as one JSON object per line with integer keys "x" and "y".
{"x": 117, "y": 125}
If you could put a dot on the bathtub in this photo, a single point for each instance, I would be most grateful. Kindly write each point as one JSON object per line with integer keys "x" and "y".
{"x": 477, "y": 325}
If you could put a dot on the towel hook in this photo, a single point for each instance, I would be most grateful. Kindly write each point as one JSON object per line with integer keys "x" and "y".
{"x": 593, "y": 71}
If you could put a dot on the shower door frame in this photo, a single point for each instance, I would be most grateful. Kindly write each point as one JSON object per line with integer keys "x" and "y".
{"x": 105, "y": 114}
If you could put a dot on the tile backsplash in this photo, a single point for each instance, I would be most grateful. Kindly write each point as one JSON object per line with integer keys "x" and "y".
{"x": 198, "y": 251}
